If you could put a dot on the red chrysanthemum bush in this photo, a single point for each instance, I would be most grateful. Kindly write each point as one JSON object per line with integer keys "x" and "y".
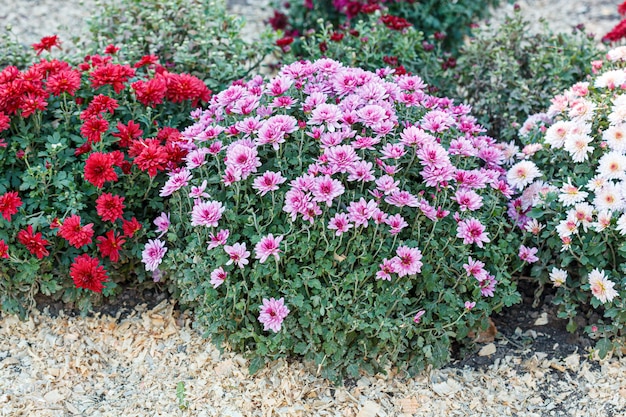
{"x": 81, "y": 147}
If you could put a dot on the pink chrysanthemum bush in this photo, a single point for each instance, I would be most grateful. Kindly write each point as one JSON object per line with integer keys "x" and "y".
{"x": 340, "y": 215}
{"x": 571, "y": 178}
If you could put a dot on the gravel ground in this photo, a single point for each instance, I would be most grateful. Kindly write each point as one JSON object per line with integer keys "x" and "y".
{"x": 102, "y": 366}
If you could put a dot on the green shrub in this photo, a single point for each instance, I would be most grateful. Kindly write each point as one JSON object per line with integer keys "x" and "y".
{"x": 193, "y": 36}
{"x": 351, "y": 230}
{"x": 508, "y": 72}
{"x": 572, "y": 202}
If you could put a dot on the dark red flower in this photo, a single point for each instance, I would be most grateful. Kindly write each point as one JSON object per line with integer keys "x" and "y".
{"x": 111, "y": 49}
{"x": 114, "y": 75}
{"x": 87, "y": 273}
{"x": 9, "y": 203}
{"x": 110, "y": 207}
{"x": 74, "y": 233}
{"x": 151, "y": 92}
{"x": 323, "y": 47}
{"x": 130, "y": 227}
{"x": 395, "y": 22}
{"x": 46, "y": 44}
{"x": 284, "y": 42}
{"x": 93, "y": 128}
{"x": 370, "y": 8}
{"x": 66, "y": 81}
{"x": 336, "y": 36}
{"x": 82, "y": 149}
{"x": 621, "y": 9}
{"x": 99, "y": 169}
{"x": 278, "y": 21}
{"x": 127, "y": 133}
{"x": 33, "y": 242}
{"x": 55, "y": 224}
{"x": 4, "y": 250}
{"x": 110, "y": 245}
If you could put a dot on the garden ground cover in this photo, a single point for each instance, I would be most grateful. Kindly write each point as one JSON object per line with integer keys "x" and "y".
{"x": 517, "y": 380}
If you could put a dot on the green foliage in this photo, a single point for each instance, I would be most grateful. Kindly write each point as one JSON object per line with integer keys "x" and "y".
{"x": 508, "y": 72}
{"x": 12, "y": 52}
{"x": 192, "y": 36}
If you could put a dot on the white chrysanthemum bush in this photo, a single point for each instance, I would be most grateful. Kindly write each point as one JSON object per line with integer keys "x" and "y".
{"x": 339, "y": 215}
{"x": 571, "y": 179}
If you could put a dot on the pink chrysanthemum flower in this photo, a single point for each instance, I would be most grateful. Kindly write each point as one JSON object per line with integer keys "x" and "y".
{"x": 393, "y": 151}
{"x": 340, "y": 223}
{"x": 418, "y": 316}
{"x": 207, "y": 213}
{"x": 527, "y": 254}
{"x": 153, "y": 253}
{"x": 472, "y": 231}
{"x": 341, "y": 157}
{"x": 359, "y": 212}
{"x": 325, "y": 189}
{"x": 273, "y": 313}
{"x": 175, "y": 182}
{"x": 326, "y": 114}
{"x": 218, "y": 239}
{"x": 475, "y": 269}
{"x": 387, "y": 184}
{"x": 407, "y": 261}
{"x": 386, "y": 269}
{"x": 468, "y": 200}
{"x": 162, "y": 223}
{"x": 218, "y": 276}
{"x": 267, "y": 182}
{"x": 396, "y": 223}
{"x": 402, "y": 198}
{"x": 198, "y": 192}
{"x": 488, "y": 286}
{"x": 268, "y": 246}
{"x": 361, "y": 171}
{"x": 238, "y": 254}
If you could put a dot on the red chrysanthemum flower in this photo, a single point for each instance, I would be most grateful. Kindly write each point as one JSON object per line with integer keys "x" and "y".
{"x": 55, "y": 223}
{"x": 98, "y": 105}
{"x": 147, "y": 60}
{"x": 127, "y": 133}
{"x": 111, "y": 49}
{"x": 82, "y": 149}
{"x": 110, "y": 245}
{"x": 181, "y": 87}
{"x": 33, "y": 242}
{"x": 99, "y": 169}
{"x": 92, "y": 129}
{"x": 150, "y": 156}
{"x": 87, "y": 273}
{"x": 5, "y": 122}
{"x": 9, "y": 203}
{"x": 46, "y": 44}
{"x": 111, "y": 74}
{"x": 30, "y": 103}
{"x": 621, "y": 9}
{"x": 151, "y": 92}
{"x": 66, "y": 81}
{"x": 617, "y": 33}
{"x": 74, "y": 233}
{"x": 110, "y": 207}
{"x": 130, "y": 227}
{"x": 395, "y": 22}
{"x": 4, "y": 250}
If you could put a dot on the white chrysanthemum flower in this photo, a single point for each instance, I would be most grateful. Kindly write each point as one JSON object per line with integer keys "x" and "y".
{"x": 617, "y": 54}
{"x": 509, "y": 150}
{"x": 609, "y": 197}
{"x": 615, "y": 137}
{"x": 570, "y": 194}
{"x": 612, "y": 166}
{"x": 566, "y": 228}
{"x": 621, "y": 224}
{"x": 619, "y": 100}
{"x": 535, "y": 193}
{"x": 558, "y": 276}
{"x": 581, "y": 109}
{"x": 578, "y": 147}
{"x": 617, "y": 115}
{"x": 533, "y": 226}
{"x": 601, "y": 286}
{"x": 522, "y": 174}
{"x": 596, "y": 183}
{"x": 603, "y": 221}
{"x": 611, "y": 79}
{"x": 583, "y": 214}
{"x": 555, "y": 134}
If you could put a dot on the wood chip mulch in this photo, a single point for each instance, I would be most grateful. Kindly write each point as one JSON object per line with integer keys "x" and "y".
{"x": 101, "y": 366}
